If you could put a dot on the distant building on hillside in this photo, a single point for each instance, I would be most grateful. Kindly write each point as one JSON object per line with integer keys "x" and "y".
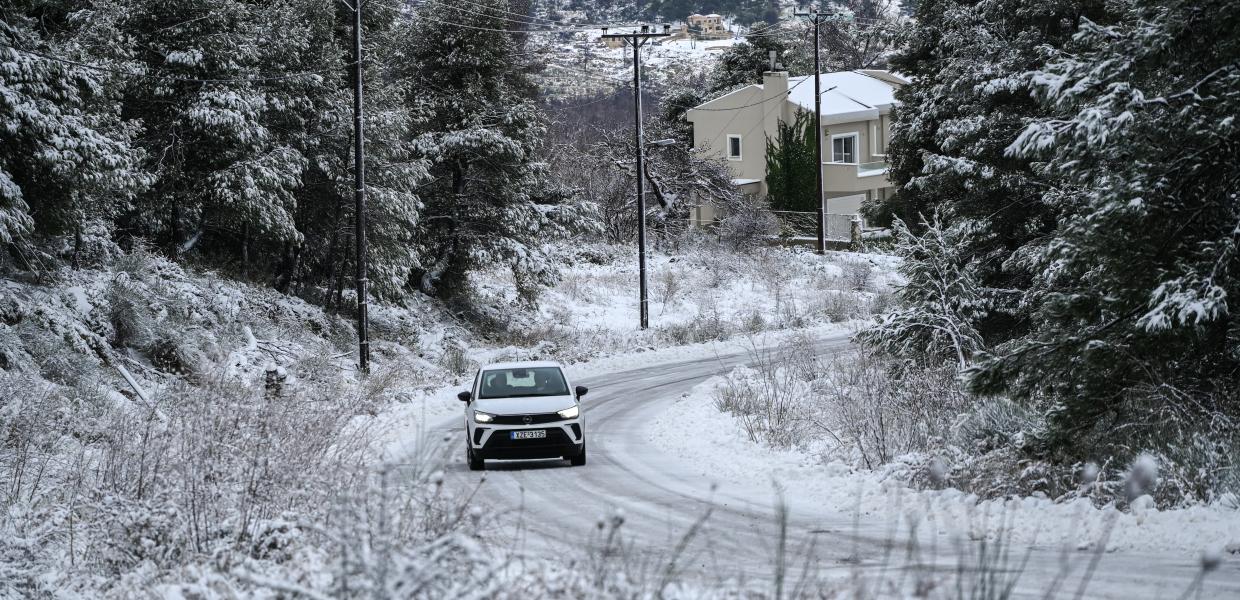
{"x": 707, "y": 27}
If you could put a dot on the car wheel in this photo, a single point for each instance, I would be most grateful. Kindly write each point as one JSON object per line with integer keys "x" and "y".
{"x": 580, "y": 459}
{"x": 475, "y": 463}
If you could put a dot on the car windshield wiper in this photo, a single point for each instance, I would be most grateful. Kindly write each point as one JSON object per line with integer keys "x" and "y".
{"x": 533, "y": 395}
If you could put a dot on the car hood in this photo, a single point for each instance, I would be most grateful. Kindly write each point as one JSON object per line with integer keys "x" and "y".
{"x": 524, "y": 406}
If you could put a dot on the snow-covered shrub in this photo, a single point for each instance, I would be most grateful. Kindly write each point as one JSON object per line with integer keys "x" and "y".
{"x": 840, "y": 306}
{"x": 858, "y": 275}
{"x": 875, "y": 416}
{"x": 455, "y": 360}
{"x": 667, "y": 287}
{"x": 55, "y": 358}
{"x": 994, "y": 423}
{"x": 706, "y": 327}
{"x": 940, "y": 303}
{"x": 770, "y": 395}
{"x": 129, "y": 315}
{"x": 747, "y": 223}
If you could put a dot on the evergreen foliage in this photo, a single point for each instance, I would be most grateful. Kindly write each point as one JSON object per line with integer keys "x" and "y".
{"x": 940, "y": 302}
{"x": 65, "y": 154}
{"x": 1081, "y": 158}
{"x": 954, "y": 123}
{"x": 489, "y": 201}
{"x": 790, "y": 158}
{"x": 221, "y": 131}
{"x": 743, "y": 63}
{"x": 1144, "y": 267}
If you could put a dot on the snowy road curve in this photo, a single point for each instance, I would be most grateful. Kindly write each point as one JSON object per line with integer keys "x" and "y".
{"x": 546, "y": 508}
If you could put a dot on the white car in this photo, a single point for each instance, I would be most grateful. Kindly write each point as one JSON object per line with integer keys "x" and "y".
{"x": 523, "y": 410}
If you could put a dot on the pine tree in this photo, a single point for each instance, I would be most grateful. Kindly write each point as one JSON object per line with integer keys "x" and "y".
{"x": 966, "y": 103}
{"x": 65, "y": 156}
{"x": 1142, "y": 273}
{"x": 490, "y": 202}
{"x": 743, "y": 63}
{"x": 228, "y": 91}
{"x": 325, "y": 200}
{"x": 790, "y": 157}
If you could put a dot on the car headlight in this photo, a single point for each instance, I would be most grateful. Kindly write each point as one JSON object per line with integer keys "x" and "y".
{"x": 569, "y": 413}
{"x": 481, "y": 417}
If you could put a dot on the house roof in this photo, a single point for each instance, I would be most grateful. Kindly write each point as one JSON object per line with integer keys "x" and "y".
{"x": 847, "y": 95}
{"x": 749, "y": 88}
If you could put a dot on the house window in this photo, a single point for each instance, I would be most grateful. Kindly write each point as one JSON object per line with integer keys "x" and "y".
{"x": 734, "y": 147}
{"x": 844, "y": 148}
{"x": 875, "y": 148}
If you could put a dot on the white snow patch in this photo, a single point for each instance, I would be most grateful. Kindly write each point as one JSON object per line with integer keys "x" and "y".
{"x": 718, "y": 447}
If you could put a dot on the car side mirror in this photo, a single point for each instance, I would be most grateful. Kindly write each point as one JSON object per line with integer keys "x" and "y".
{"x": 464, "y": 396}
{"x": 581, "y": 390}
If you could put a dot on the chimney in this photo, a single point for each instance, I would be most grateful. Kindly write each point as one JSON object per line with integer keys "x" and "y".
{"x": 774, "y": 83}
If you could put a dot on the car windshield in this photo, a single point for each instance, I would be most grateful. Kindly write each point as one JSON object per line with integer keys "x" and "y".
{"x": 522, "y": 383}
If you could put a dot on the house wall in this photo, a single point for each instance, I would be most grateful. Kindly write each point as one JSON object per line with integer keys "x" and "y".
{"x": 712, "y": 128}
{"x": 757, "y": 114}
{"x": 843, "y": 187}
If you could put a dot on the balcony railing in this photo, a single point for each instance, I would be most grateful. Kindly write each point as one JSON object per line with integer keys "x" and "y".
{"x": 853, "y": 177}
{"x": 872, "y": 168}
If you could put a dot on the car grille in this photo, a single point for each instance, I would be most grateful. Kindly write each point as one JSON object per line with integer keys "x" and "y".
{"x": 556, "y": 438}
{"x": 520, "y": 419}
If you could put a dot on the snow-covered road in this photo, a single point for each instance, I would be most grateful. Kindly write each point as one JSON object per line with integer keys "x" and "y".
{"x": 544, "y": 508}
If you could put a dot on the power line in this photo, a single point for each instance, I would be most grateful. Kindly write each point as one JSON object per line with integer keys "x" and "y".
{"x": 175, "y": 79}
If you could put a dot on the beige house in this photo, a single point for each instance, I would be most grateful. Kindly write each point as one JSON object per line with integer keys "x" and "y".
{"x": 856, "y": 127}
{"x": 707, "y": 27}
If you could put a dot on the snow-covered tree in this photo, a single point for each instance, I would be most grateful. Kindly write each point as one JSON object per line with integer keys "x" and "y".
{"x": 790, "y": 158}
{"x": 1144, "y": 269}
{"x": 65, "y": 156}
{"x": 325, "y": 201}
{"x": 490, "y": 202}
{"x": 743, "y": 63}
{"x": 211, "y": 127}
{"x": 956, "y": 119}
{"x": 941, "y": 301}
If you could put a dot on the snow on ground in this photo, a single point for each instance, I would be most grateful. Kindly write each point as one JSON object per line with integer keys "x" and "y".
{"x": 703, "y": 303}
{"x": 779, "y": 287}
{"x": 718, "y": 447}
{"x": 581, "y": 65}
{"x": 698, "y": 294}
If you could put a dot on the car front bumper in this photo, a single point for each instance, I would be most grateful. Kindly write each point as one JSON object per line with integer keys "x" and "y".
{"x": 565, "y": 439}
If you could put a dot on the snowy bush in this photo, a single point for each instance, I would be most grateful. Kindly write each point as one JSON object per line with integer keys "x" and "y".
{"x": 940, "y": 303}
{"x": 875, "y": 416}
{"x": 130, "y": 317}
{"x": 747, "y": 223}
{"x": 770, "y": 395}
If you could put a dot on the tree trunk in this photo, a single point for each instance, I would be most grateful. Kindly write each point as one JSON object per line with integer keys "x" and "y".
{"x": 77, "y": 245}
{"x": 175, "y": 229}
{"x": 245, "y": 251}
{"x": 428, "y": 283}
{"x": 333, "y": 250}
{"x": 348, "y": 241}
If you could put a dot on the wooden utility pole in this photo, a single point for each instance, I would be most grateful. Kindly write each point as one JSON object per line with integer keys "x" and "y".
{"x": 637, "y": 39}
{"x": 359, "y": 195}
{"x": 817, "y": 19}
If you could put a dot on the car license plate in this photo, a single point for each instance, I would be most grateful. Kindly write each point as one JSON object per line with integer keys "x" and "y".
{"x": 529, "y": 434}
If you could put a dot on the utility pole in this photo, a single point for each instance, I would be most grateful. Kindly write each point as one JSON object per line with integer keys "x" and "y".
{"x": 359, "y": 195}
{"x": 817, "y": 18}
{"x": 637, "y": 40}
